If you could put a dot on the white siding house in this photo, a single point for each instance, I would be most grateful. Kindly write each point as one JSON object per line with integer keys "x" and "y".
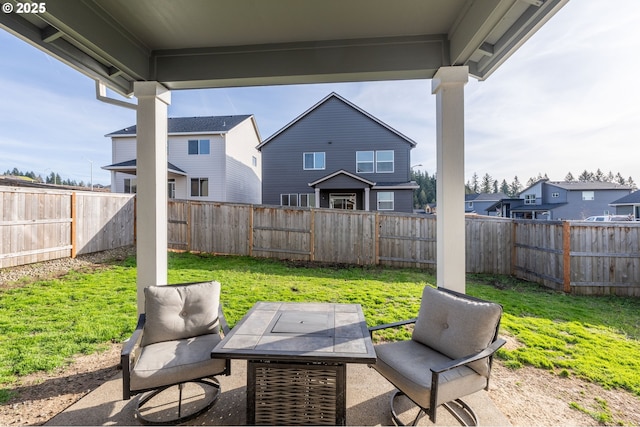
{"x": 209, "y": 159}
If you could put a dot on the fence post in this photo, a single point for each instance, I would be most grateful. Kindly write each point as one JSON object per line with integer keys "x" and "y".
{"x": 74, "y": 249}
{"x": 513, "y": 247}
{"x": 253, "y": 207}
{"x": 312, "y": 243}
{"x": 376, "y": 234}
{"x": 189, "y": 225}
{"x": 566, "y": 255}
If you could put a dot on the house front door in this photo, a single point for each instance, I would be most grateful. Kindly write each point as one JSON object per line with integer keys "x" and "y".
{"x": 342, "y": 201}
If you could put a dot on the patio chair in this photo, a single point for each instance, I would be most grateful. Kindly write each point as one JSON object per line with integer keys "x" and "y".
{"x": 449, "y": 355}
{"x": 171, "y": 347}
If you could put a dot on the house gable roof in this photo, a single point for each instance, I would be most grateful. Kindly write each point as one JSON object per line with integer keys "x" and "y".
{"x": 187, "y": 125}
{"x": 341, "y": 172}
{"x": 334, "y": 95}
{"x": 629, "y": 199}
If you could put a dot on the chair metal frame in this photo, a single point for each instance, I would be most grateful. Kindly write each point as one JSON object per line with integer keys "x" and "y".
{"x": 436, "y": 371}
{"x": 128, "y": 357}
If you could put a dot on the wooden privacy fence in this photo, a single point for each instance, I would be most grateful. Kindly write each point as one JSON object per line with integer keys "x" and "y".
{"x": 327, "y": 235}
{"x": 39, "y": 225}
{"x": 574, "y": 256}
{"x": 579, "y": 257}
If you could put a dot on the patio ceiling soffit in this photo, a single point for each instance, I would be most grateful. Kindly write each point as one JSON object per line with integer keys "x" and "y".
{"x": 118, "y": 42}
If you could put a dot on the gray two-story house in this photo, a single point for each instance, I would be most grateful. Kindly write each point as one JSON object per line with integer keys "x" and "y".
{"x": 336, "y": 155}
{"x": 563, "y": 200}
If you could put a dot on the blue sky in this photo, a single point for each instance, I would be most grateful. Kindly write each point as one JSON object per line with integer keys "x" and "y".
{"x": 568, "y": 100}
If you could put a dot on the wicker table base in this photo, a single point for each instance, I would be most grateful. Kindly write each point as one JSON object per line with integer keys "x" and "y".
{"x": 288, "y": 393}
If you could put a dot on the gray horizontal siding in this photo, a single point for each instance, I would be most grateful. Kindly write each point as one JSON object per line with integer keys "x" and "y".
{"x": 339, "y": 131}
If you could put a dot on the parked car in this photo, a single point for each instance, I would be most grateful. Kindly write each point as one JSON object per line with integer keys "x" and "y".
{"x": 608, "y": 218}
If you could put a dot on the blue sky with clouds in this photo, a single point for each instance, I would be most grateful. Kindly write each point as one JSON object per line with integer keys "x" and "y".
{"x": 568, "y": 100}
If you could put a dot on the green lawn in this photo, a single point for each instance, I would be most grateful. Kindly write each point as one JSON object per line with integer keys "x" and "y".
{"x": 44, "y": 324}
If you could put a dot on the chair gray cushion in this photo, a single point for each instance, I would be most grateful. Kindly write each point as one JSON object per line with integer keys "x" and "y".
{"x": 173, "y": 362}
{"x": 180, "y": 311}
{"x": 406, "y": 365}
{"x": 456, "y": 327}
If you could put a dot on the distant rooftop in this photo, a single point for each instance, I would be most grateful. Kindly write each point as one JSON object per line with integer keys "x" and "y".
{"x": 178, "y": 125}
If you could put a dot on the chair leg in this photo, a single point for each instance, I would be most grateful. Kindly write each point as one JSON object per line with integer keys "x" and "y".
{"x": 146, "y": 420}
{"x": 466, "y": 409}
{"x": 461, "y": 406}
{"x": 394, "y": 416}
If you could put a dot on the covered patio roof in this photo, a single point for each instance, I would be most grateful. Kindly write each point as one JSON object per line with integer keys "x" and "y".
{"x": 147, "y": 48}
{"x": 185, "y": 44}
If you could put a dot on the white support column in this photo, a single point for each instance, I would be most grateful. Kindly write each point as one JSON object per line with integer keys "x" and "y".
{"x": 317, "y": 197}
{"x": 153, "y": 101}
{"x": 448, "y": 86}
{"x": 367, "y": 193}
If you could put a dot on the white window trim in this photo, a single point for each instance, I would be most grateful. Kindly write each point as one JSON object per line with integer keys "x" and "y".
{"x": 372, "y": 162}
{"x": 393, "y": 161}
{"x": 529, "y": 199}
{"x": 592, "y": 195}
{"x": 392, "y": 200}
{"x": 314, "y": 168}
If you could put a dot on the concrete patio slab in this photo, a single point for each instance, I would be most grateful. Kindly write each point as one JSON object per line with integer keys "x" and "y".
{"x": 368, "y": 397}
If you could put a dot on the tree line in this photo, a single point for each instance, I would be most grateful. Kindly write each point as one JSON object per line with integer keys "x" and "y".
{"x": 52, "y": 178}
{"x": 487, "y": 184}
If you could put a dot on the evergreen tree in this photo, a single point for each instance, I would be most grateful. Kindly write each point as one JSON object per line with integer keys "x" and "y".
{"x": 475, "y": 186}
{"x": 569, "y": 177}
{"x": 585, "y": 176}
{"x": 598, "y": 176}
{"x": 504, "y": 187}
{"x": 610, "y": 177}
{"x": 486, "y": 185}
{"x": 515, "y": 187}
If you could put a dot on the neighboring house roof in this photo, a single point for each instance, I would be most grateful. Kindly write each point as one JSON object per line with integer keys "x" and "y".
{"x": 629, "y": 199}
{"x": 485, "y": 197}
{"x": 580, "y": 185}
{"x": 543, "y": 207}
{"x": 130, "y": 167}
{"x": 591, "y": 185}
{"x": 187, "y": 125}
{"x": 355, "y": 107}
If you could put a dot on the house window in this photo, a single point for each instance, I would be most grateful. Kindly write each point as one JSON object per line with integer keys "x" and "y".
{"x": 555, "y": 195}
{"x": 130, "y": 185}
{"x": 199, "y": 187}
{"x": 254, "y": 161}
{"x": 172, "y": 188}
{"x": 384, "y": 161}
{"x": 199, "y": 146}
{"x": 308, "y": 200}
{"x": 529, "y": 199}
{"x": 385, "y": 201}
{"x": 588, "y": 195}
{"x": 289, "y": 199}
{"x": 313, "y": 161}
{"x": 364, "y": 161}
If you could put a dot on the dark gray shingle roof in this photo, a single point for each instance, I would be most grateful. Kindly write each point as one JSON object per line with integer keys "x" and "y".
{"x": 193, "y": 125}
{"x": 629, "y": 199}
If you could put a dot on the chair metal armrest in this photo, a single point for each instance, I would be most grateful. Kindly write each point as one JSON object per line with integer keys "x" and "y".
{"x": 223, "y": 321}
{"x": 125, "y": 356}
{"x": 471, "y": 358}
{"x": 372, "y": 329}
